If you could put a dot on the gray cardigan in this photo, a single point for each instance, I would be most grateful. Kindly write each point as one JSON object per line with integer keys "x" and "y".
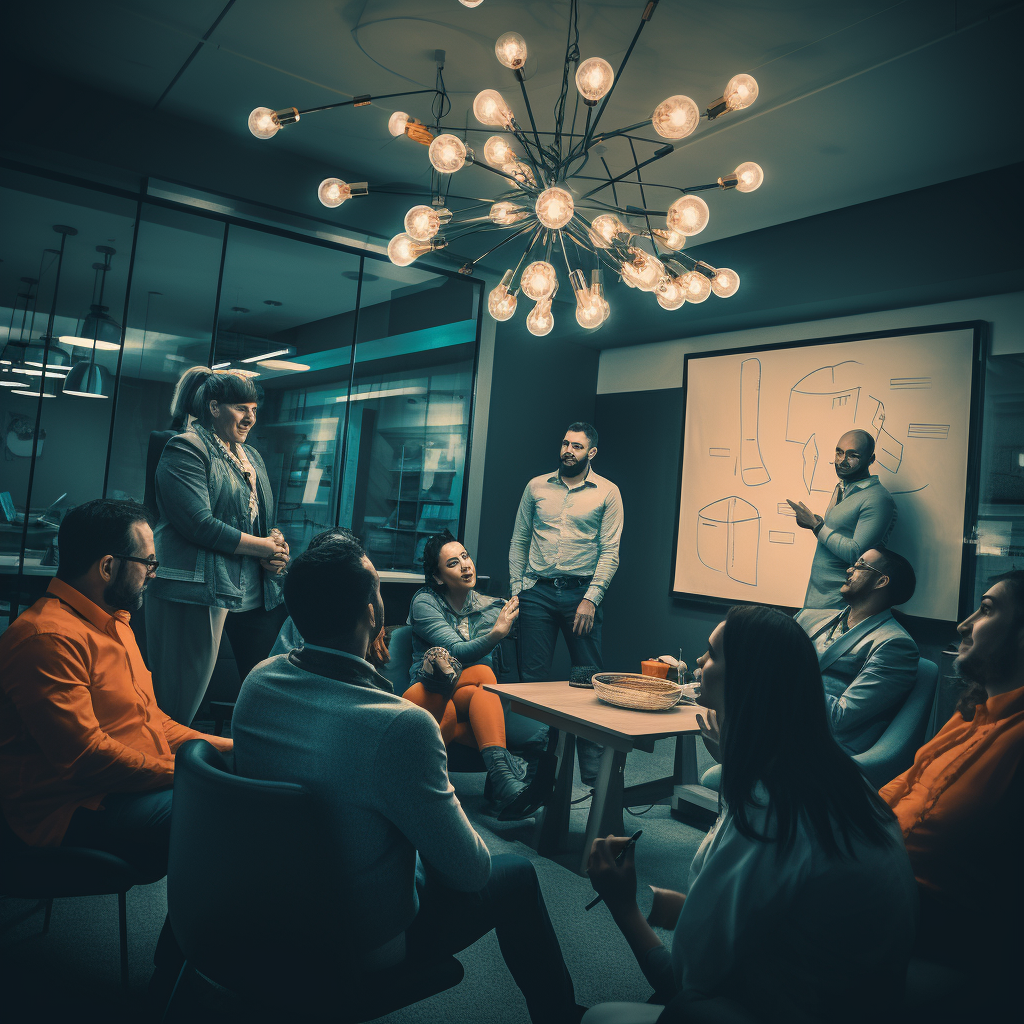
{"x": 377, "y": 765}
{"x": 203, "y": 502}
{"x": 859, "y": 522}
{"x": 464, "y": 635}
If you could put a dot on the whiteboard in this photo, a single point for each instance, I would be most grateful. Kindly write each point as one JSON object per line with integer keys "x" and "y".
{"x": 761, "y": 426}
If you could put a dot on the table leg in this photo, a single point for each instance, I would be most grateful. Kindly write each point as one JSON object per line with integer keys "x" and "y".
{"x": 689, "y": 790}
{"x": 606, "y": 805}
{"x": 552, "y": 835}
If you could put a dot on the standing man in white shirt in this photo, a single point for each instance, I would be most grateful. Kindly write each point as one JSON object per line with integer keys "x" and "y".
{"x": 563, "y": 555}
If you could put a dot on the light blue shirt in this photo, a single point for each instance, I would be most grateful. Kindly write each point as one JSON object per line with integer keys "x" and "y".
{"x": 562, "y": 531}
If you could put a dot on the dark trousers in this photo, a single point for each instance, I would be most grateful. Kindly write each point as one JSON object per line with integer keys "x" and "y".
{"x": 544, "y": 611}
{"x": 513, "y": 905}
{"x": 137, "y": 828}
{"x": 252, "y": 634}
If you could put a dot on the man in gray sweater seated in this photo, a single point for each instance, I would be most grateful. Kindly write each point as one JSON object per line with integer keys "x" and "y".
{"x": 324, "y": 717}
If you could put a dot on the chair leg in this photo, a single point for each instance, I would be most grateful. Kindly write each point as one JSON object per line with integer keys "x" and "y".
{"x": 177, "y": 995}
{"x": 46, "y": 917}
{"x": 122, "y": 914}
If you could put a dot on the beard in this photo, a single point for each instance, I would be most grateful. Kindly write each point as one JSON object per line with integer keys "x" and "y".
{"x": 997, "y": 665}
{"x": 575, "y": 468}
{"x": 120, "y": 594}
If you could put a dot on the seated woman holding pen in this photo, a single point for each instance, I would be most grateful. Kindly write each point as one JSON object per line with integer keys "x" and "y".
{"x": 455, "y": 631}
{"x": 801, "y": 902}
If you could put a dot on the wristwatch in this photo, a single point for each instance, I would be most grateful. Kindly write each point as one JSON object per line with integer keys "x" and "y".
{"x": 817, "y": 526}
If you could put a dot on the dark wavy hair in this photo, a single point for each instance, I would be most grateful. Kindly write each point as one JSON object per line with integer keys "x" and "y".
{"x": 431, "y": 556}
{"x": 974, "y": 692}
{"x": 776, "y": 731}
{"x": 199, "y": 385}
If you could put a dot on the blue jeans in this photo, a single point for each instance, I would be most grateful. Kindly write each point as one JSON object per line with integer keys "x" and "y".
{"x": 511, "y": 903}
{"x": 544, "y": 611}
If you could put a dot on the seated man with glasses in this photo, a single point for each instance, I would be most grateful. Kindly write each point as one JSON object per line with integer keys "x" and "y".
{"x": 868, "y": 661}
{"x": 86, "y": 756}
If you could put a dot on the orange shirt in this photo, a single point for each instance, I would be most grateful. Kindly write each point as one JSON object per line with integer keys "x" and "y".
{"x": 961, "y": 809}
{"x": 78, "y": 718}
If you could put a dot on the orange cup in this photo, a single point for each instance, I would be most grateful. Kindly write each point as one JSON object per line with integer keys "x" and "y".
{"x": 654, "y": 668}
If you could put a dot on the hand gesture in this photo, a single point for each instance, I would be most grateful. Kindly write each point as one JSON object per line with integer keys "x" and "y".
{"x": 584, "y": 621}
{"x": 615, "y": 882}
{"x": 508, "y": 614}
{"x": 805, "y": 518}
{"x": 709, "y": 729}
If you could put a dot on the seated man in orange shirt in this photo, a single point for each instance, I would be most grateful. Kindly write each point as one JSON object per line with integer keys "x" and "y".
{"x": 961, "y": 804}
{"x": 86, "y": 756}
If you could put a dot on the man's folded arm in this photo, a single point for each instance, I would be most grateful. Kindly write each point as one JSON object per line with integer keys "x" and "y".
{"x": 48, "y": 682}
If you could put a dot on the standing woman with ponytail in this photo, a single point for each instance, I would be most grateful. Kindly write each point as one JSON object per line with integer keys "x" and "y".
{"x": 218, "y": 550}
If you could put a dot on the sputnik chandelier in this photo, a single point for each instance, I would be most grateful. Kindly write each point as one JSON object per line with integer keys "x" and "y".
{"x": 545, "y": 192}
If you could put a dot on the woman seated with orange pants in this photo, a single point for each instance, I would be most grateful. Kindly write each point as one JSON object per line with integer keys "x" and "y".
{"x": 455, "y": 630}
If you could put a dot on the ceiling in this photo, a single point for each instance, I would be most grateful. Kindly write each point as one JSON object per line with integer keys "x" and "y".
{"x": 859, "y": 99}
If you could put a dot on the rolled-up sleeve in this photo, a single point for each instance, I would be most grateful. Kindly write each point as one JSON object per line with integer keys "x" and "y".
{"x": 183, "y": 492}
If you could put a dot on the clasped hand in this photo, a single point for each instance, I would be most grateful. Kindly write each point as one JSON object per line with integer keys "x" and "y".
{"x": 276, "y": 562}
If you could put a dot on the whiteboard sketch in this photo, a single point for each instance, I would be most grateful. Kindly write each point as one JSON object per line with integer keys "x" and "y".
{"x": 912, "y": 393}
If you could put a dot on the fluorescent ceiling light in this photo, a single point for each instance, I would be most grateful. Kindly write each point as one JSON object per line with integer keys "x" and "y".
{"x": 83, "y": 394}
{"x": 268, "y": 355}
{"x": 283, "y": 364}
{"x": 221, "y": 366}
{"x": 33, "y": 394}
{"x": 39, "y": 373}
{"x": 104, "y": 346}
{"x": 360, "y": 396}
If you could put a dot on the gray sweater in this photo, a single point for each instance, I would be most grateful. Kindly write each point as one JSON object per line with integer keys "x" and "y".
{"x": 377, "y": 764}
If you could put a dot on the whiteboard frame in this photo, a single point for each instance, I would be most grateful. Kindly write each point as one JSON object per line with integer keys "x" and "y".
{"x": 979, "y": 356}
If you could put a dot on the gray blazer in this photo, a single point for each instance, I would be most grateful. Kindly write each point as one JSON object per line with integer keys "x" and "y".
{"x": 861, "y": 521}
{"x": 868, "y": 673}
{"x": 203, "y": 502}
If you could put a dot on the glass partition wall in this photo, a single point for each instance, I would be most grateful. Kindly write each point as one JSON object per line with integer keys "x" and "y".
{"x": 367, "y": 369}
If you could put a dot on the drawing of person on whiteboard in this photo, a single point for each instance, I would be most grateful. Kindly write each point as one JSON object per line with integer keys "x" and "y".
{"x": 860, "y": 516}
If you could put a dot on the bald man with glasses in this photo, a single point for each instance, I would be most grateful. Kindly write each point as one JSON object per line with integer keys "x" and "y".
{"x": 868, "y": 660}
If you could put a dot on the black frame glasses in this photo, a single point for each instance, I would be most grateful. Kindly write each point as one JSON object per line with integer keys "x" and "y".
{"x": 861, "y": 564}
{"x": 151, "y": 564}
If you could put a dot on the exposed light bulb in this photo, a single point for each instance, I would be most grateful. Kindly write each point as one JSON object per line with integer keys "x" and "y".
{"x": 510, "y": 49}
{"x": 590, "y": 316}
{"x": 263, "y": 124}
{"x": 447, "y": 153}
{"x": 505, "y": 213}
{"x": 497, "y": 151}
{"x": 540, "y": 321}
{"x": 726, "y": 282}
{"x": 471, "y": 3}
{"x": 597, "y": 292}
{"x": 554, "y": 207}
{"x": 676, "y": 117}
{"x": 520, "y": 172}
{"x": 740, "y": 92}
{"x": 402, "y": 249}
{"x": 490, "y": 108}
{"x": 422, "y": 223}
{"x": 501, "y": 303}
{"x": 748, "y": 176}
{"x": 643, "y": 271}
{"x": 333, "y": 192}
{"x": 397, "y": 122}
{"x": 538, "y": 280}
{"x": 594, "y": 77}
{"x": 696, "y": 286}
{"x": 604, "y": 228}
{"x": 669, "y": 239}
{"x": 670, "y": 293}
{"x": 688, "y": 215}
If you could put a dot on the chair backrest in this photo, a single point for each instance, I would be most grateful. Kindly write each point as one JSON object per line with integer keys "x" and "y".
{"x": 398, "y": 668}
{"x": 893, "y": 752}
{"x": 249, "y": 877}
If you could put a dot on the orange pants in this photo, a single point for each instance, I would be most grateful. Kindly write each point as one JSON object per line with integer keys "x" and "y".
{"x": 472, "y": 715}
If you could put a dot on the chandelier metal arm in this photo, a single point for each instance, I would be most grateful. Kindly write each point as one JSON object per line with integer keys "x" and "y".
{"x": 663, "y": 152}
{"x": 643, "y": 199}
{"x": 515, "y": 234}
{"x": 362, "y": 101}
{"x": 533, "y": 122}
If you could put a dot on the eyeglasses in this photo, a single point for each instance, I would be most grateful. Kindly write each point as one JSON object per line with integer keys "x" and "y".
{"x": 151, "y": 564}
{"x": 861, "y": 564}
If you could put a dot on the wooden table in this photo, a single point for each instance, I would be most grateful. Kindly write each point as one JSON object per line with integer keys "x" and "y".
{"x": 575, "y": 711}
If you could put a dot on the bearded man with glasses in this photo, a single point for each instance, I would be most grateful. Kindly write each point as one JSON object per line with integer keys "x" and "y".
{"x": 868, "y": 661}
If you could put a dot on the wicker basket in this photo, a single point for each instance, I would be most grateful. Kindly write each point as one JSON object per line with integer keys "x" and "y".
{"x": 641, "y": 693}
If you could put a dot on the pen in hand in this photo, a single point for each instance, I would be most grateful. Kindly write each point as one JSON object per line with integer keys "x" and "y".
{"x": 620, "y": 857}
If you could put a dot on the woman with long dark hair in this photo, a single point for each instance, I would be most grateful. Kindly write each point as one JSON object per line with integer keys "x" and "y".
{"x": 801, "y": 902}
{"x": 218, "y": 550}
{"x": 455, "y": 630}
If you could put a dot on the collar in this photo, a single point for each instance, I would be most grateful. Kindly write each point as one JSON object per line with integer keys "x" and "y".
{"x": 339, "y": 665}
{"x": 590, "y": 480}
{"x": 1002, "y": 705}
{"x": 858, "y": 485}
{"x": 89, "y": 610}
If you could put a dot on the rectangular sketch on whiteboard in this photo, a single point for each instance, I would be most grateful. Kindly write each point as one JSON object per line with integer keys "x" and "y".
{"x": 779, "y": 412}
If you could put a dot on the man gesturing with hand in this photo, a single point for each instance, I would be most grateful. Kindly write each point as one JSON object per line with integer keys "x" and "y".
{"x": 564, "y": 552}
